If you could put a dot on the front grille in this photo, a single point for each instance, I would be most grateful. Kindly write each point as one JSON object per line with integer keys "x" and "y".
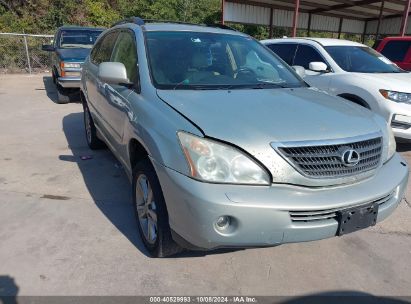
{"x": 325, "y": 161}
{"x": 318, "y": 215}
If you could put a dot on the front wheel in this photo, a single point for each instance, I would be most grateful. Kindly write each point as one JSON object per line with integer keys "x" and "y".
{"x": 62, "y": 95}
{"x": 91, "y": 133}
{"x": 151, "y": 212}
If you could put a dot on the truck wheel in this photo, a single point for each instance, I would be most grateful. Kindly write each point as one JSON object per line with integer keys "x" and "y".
{"x": 93, "y": 141}
{"x": 53, "y": 76}
{"x": 151, "y": 212}
{"x": 62, "y": 95}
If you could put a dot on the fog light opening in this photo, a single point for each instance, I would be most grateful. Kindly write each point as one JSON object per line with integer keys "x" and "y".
{"x": 223, "y": 222}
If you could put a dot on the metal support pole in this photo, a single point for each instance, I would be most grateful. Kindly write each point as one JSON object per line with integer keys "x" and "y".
{"x": 364, "y": 32}
{"x": 380, "y": 19}
{"x": 27, "y": 53}
{"x": 404, "y": 22}
{"x": 340, "y": 28}
{"x": 222, "y": 11}
{"x": 271, "y": 23}
{"x": 295, "y": 19}
{"x": 309, "y": 25}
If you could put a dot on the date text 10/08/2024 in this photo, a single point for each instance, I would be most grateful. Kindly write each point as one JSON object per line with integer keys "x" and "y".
{"x": 203, "y": 299}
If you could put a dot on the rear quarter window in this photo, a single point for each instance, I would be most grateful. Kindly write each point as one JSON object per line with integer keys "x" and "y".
{"x": 396, "y": 50}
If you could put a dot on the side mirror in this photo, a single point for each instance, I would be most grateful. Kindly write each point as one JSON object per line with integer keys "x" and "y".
{"x": 113, "y": 73}
{"x": 318, "y": 67}
{"x": 48, "y": 48}
{"x": 299, "y": 70}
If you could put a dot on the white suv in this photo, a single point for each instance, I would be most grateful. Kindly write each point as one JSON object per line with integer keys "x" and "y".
{"x": 353, "y": 71}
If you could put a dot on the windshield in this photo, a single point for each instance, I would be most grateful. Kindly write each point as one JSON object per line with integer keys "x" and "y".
{"x": 78, "y": 38}
{"x": 192, "y": 60}
{"x": 361, "y": 59}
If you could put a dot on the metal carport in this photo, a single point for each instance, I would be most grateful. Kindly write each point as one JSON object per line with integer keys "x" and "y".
{"x": 363, "y": 17}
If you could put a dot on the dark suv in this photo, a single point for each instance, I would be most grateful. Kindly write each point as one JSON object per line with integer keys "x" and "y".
{"x": 71, "y": 46}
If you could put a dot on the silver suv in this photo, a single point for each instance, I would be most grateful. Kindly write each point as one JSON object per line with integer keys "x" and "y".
{"x": 226, "y": 146}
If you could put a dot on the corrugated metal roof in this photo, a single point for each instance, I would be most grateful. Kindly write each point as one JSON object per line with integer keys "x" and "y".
{"x": 326, "y": 14}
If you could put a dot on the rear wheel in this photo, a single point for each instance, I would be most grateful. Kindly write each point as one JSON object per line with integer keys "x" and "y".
{"x": 151, "y": 212}
{"x": 91, "y": 133}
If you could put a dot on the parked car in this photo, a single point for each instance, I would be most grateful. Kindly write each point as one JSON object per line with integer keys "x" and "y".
{"x": 355, "y": 72}
{"x": 226, "y": 146}
{"x": 397, "y": 49}
{"x": 71, "y": 45}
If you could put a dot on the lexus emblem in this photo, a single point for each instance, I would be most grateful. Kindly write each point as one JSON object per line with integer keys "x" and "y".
{"x": 350, "y": 157}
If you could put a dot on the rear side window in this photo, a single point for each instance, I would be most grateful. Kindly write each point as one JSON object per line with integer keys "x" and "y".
{"x": 396, "y": 50}
{"x": 285, "y": 51}
{"x": 306, "y": 54}
{"x": 104, "y": 48}
{"x": 125, "y": 52}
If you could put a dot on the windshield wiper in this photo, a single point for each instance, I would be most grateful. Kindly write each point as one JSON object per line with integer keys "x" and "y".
{"x": 263, "y": 85}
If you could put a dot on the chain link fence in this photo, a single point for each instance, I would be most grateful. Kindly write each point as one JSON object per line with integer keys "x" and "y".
{"x": 21, "y": 53}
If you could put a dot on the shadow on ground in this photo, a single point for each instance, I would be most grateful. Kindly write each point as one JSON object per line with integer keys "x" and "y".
{"x": 403, "y": 146}
{"x": 105, "y": 179}
{"x": 343, "y": 297}
{"x": 8, "y": 290}
{"x": 51, "y": 91}
{"x": 108, "y": 184}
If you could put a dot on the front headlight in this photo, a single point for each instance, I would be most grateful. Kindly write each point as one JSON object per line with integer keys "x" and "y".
{"x": 396, "y": 96}
{"x": 74, "y": 65}
{"x": 212, "y": 161}
{"x": 392, "y": 145}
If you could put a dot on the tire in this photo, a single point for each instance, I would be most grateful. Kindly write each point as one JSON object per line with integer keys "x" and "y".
{"x": 62, "y": 96}
{"x": 93, "y": 141}
{"x": 54, "y": 77}
{"x": 151, "y": 212}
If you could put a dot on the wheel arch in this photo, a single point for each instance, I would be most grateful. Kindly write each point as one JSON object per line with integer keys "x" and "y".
{"x": 355, "y": 99}
{"x": 136, "y": 152}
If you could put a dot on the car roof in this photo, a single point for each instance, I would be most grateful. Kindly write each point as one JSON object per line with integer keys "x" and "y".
{"x": 175, "y": 27}
{"x": 397, "y": 38}
{"x": 322, "y": 41}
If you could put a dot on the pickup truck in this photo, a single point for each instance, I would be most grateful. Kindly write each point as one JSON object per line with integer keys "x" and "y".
{"x": 71, "y": 46}
{"x": 396, "y": 49}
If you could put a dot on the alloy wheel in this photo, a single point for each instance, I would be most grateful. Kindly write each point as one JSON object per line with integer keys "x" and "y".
{"x": 146, "y": 209}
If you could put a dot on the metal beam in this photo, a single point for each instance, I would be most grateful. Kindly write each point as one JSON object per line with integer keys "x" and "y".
{"x": 295, "y": 18}
{"x": 400, "y": 2}
{"x": 348, "y": 11}
{"x": 351, "y": 3}
{"x": 309, "y": 25}
{"x": 289, "y": 8}
{"x": 364, "y": 31}
{"x": 340, "y": 28}
{"x": 390, "y": 16}
{"x": 404, "y": 22}
{"x": 379, "y": 20}
{"x": 271, "y": 23}
{"x": 345, "y": 6}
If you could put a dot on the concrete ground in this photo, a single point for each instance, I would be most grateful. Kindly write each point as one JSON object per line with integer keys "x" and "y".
{"x": 67, "y": 225}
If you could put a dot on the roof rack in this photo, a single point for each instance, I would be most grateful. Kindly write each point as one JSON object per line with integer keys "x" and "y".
{"x": 135, "y": 20}
{"x": 139, "y": 21}
{"x": 169, "y": 21}
{"x": 221, "y": 26}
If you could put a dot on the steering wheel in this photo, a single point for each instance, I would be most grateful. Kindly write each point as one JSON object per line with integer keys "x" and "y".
{"x": 244, "y": 71}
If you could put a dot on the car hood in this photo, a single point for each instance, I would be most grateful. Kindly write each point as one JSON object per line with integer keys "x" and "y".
{"x": 244, "y": 116}
{"x": 73, "y": 54}
{"x": 388, "y": 81}
{"x": 254, "y": 120}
